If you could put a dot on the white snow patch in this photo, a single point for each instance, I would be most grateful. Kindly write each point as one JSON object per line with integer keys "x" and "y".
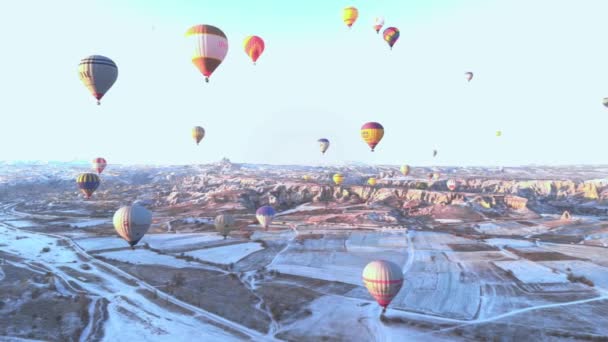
{"x": 509, "y": 243}
{"x": 448, "y": 220}
{"x": 531, "y": 272}
{"x": 89, "y": 223}
{"x": 226, "y": 254}
{"x": 147, "y": 257}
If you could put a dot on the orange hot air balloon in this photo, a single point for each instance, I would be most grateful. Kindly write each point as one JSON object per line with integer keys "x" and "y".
{"x": 372, "y": 133}
{"x": 338, "y": 178}
{"x": 254, "y": 46}
{"x": 383, "y": 279}
{"x": 198, "y": 133}
{"x": 350, "y": 15}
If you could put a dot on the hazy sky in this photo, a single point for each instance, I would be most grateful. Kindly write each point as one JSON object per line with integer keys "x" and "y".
{"x": 541, "y": 72}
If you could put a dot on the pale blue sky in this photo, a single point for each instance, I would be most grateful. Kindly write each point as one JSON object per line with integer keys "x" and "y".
{"x": 541, "y": 72}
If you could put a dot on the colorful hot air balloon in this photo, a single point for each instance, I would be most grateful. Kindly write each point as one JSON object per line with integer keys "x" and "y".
{"x": 350, "y": 15}
{"x": 378, "y": 23}
{"x": 98, "y": 73}
{"x": 99, "y": 164}
{"x": 371, "y": 181}
{"x": 372, "y": 133}
{"x": 88, "y": 183}
{"x": 338, "y": 178}
{"x": 323, "y": 144}
{"x": 224, "y": 224}
{"x": 132, "y": 222}
{"x": 451, "y": 184}
{"x": 405, "y": 170}
{"x": 383, "y": 279}
{"x": 265, "y": 215}
{"x": 391, "y": 35}
{"x": 211, "y": 47}
{"x": 469, "y": 76}
{"x": 254, "y": 46}
{"x": 605, "y": 101}
{"x": 198, "y": 133}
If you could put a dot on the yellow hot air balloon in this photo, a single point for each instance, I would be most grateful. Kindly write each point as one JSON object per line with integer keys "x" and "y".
{"x": 498, "y": 133}
{"x": 198, "y": 133}
{"x": 372, "y": 133}
{"x": 350, "y": 15}
{"x": 405, "y": 170}
{"x": 371, "y": 181}
{"x": 306, "y": 177}
{"x": 338, "y": 178}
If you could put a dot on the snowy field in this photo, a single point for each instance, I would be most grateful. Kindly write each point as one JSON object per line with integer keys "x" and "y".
{"x": 163, "y": 242}
{"x": 147, "y": 257}
{"x": 226, "y": 254}
{"x": 502, "y": 243}
{"x": 510, "y": 228}
{"x": 21, "y": 223}
{"x": 90, "y": 223}
{"x": 597, "y": 274}
{"x": 101, "y": 243}
{"x": 531, "y": 272}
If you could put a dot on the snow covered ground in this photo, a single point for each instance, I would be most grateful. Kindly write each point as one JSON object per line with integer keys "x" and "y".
{"x": 531, "y": 272}
{"x": 226, "y": 254}
{"x": 502, "y": 243}
{"x": 166, "y": 242}
{"x": 90, "y": 223}
{"x": 147, "y": 257}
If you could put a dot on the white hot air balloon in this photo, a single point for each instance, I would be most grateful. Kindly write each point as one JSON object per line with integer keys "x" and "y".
{"x": 132, "y": 222}
{"x": 98, "y": 74}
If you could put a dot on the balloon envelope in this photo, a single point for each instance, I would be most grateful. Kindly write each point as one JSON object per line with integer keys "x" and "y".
{"x": 198, "y": 133}
{"x": 338, "y": 178}
{"x": 254, "y": 46}
{"x": 210, "y": 48}
{"x": 88, "y": 183}
{"x": 468, "y": 76}
{"x": 391, "y": 35}
{"x": 350, "y": 15}
{"x": 378, "y": 23}
{"x": 99, "y": 164}
{"x": 383, "y": 279}
{"x": 451, "y": 184}
{"x": 132, "y": 222}
{"x": 224, "y": 224}
{"x": 405, "y": 170}
{"x": 371, "y": 181}
{"x": 372, "y": 133}
{"x": 98, "y": 74}
{"x": 265, "y": 215}
{"x": 323, "y": 144}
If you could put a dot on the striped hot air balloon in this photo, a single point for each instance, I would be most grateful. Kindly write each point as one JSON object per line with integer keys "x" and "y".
{"x": 98, "y": 74}
{"x": 371, "y": 181}
{"x": 338, "y": 178}
{"x": 405, "y": 170}
{"x": 372, "y": 133}
{"x": 198, "y": 133}
{"x": 211, "y": 47}
{"x": 451, "y": 184}
{"x": 254, "y": 46}
{"x": 383, "y": 279}
{"x": 350, "y": 15}
{"x": 132, "y": 222}
{"x": 87, "y": 183}
{"x": 323, "y": 144}
{"x": 265, "y": 215}
{"x": 378, "y": 23}
{"x": 391, "y": 35}
{"x": 99, "y": 164}
{"x": 224, "y": 224}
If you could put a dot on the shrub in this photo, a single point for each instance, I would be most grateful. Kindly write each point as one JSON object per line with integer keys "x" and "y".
{"x": 45, "y": 250}
{"x": 85, "y": 267}
{"x": 580, "y": 279}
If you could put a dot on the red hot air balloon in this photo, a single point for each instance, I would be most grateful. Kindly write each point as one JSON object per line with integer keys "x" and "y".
{"x": 99, "y": 164}
{"x": 451, "y": 184}
{"x": 383, "y": 279}
{"x": 254, "y": 47}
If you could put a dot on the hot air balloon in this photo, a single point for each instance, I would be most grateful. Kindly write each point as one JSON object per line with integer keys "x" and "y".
{"x": 451, "y": 184}
{"x": 405, "y": 170}
{"x": 254, "y": 46}
{"x": 87, "y": 183}
{"x": 391, "y": 35}
{"x": 383, "y": 279}
{"x": 350, "y": 15}
{"x": 99, "y": 164}
{"x": 338, "y": 178}
{"x": 98, "y": 73}
{"x": 198, "y": 133}
{"x": 211, "y": 47}
{"x": 323, "y": 144}
{"x": 498, "y": 133}
{"x": 605, "y": 101}
{"x": 434, "y": 153}
{"x": 265, "y": 215}
{"x": 224, "y": 224}
{"x": 132, "y": 222}
{"x": 436, "y": 176}
{"x": 378, "y": 23}
{"x": 372, "y": 133}
{"x": 306, "y": 177}
{"x": 371, "y": 181}
{"x": 469, "y": 76}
